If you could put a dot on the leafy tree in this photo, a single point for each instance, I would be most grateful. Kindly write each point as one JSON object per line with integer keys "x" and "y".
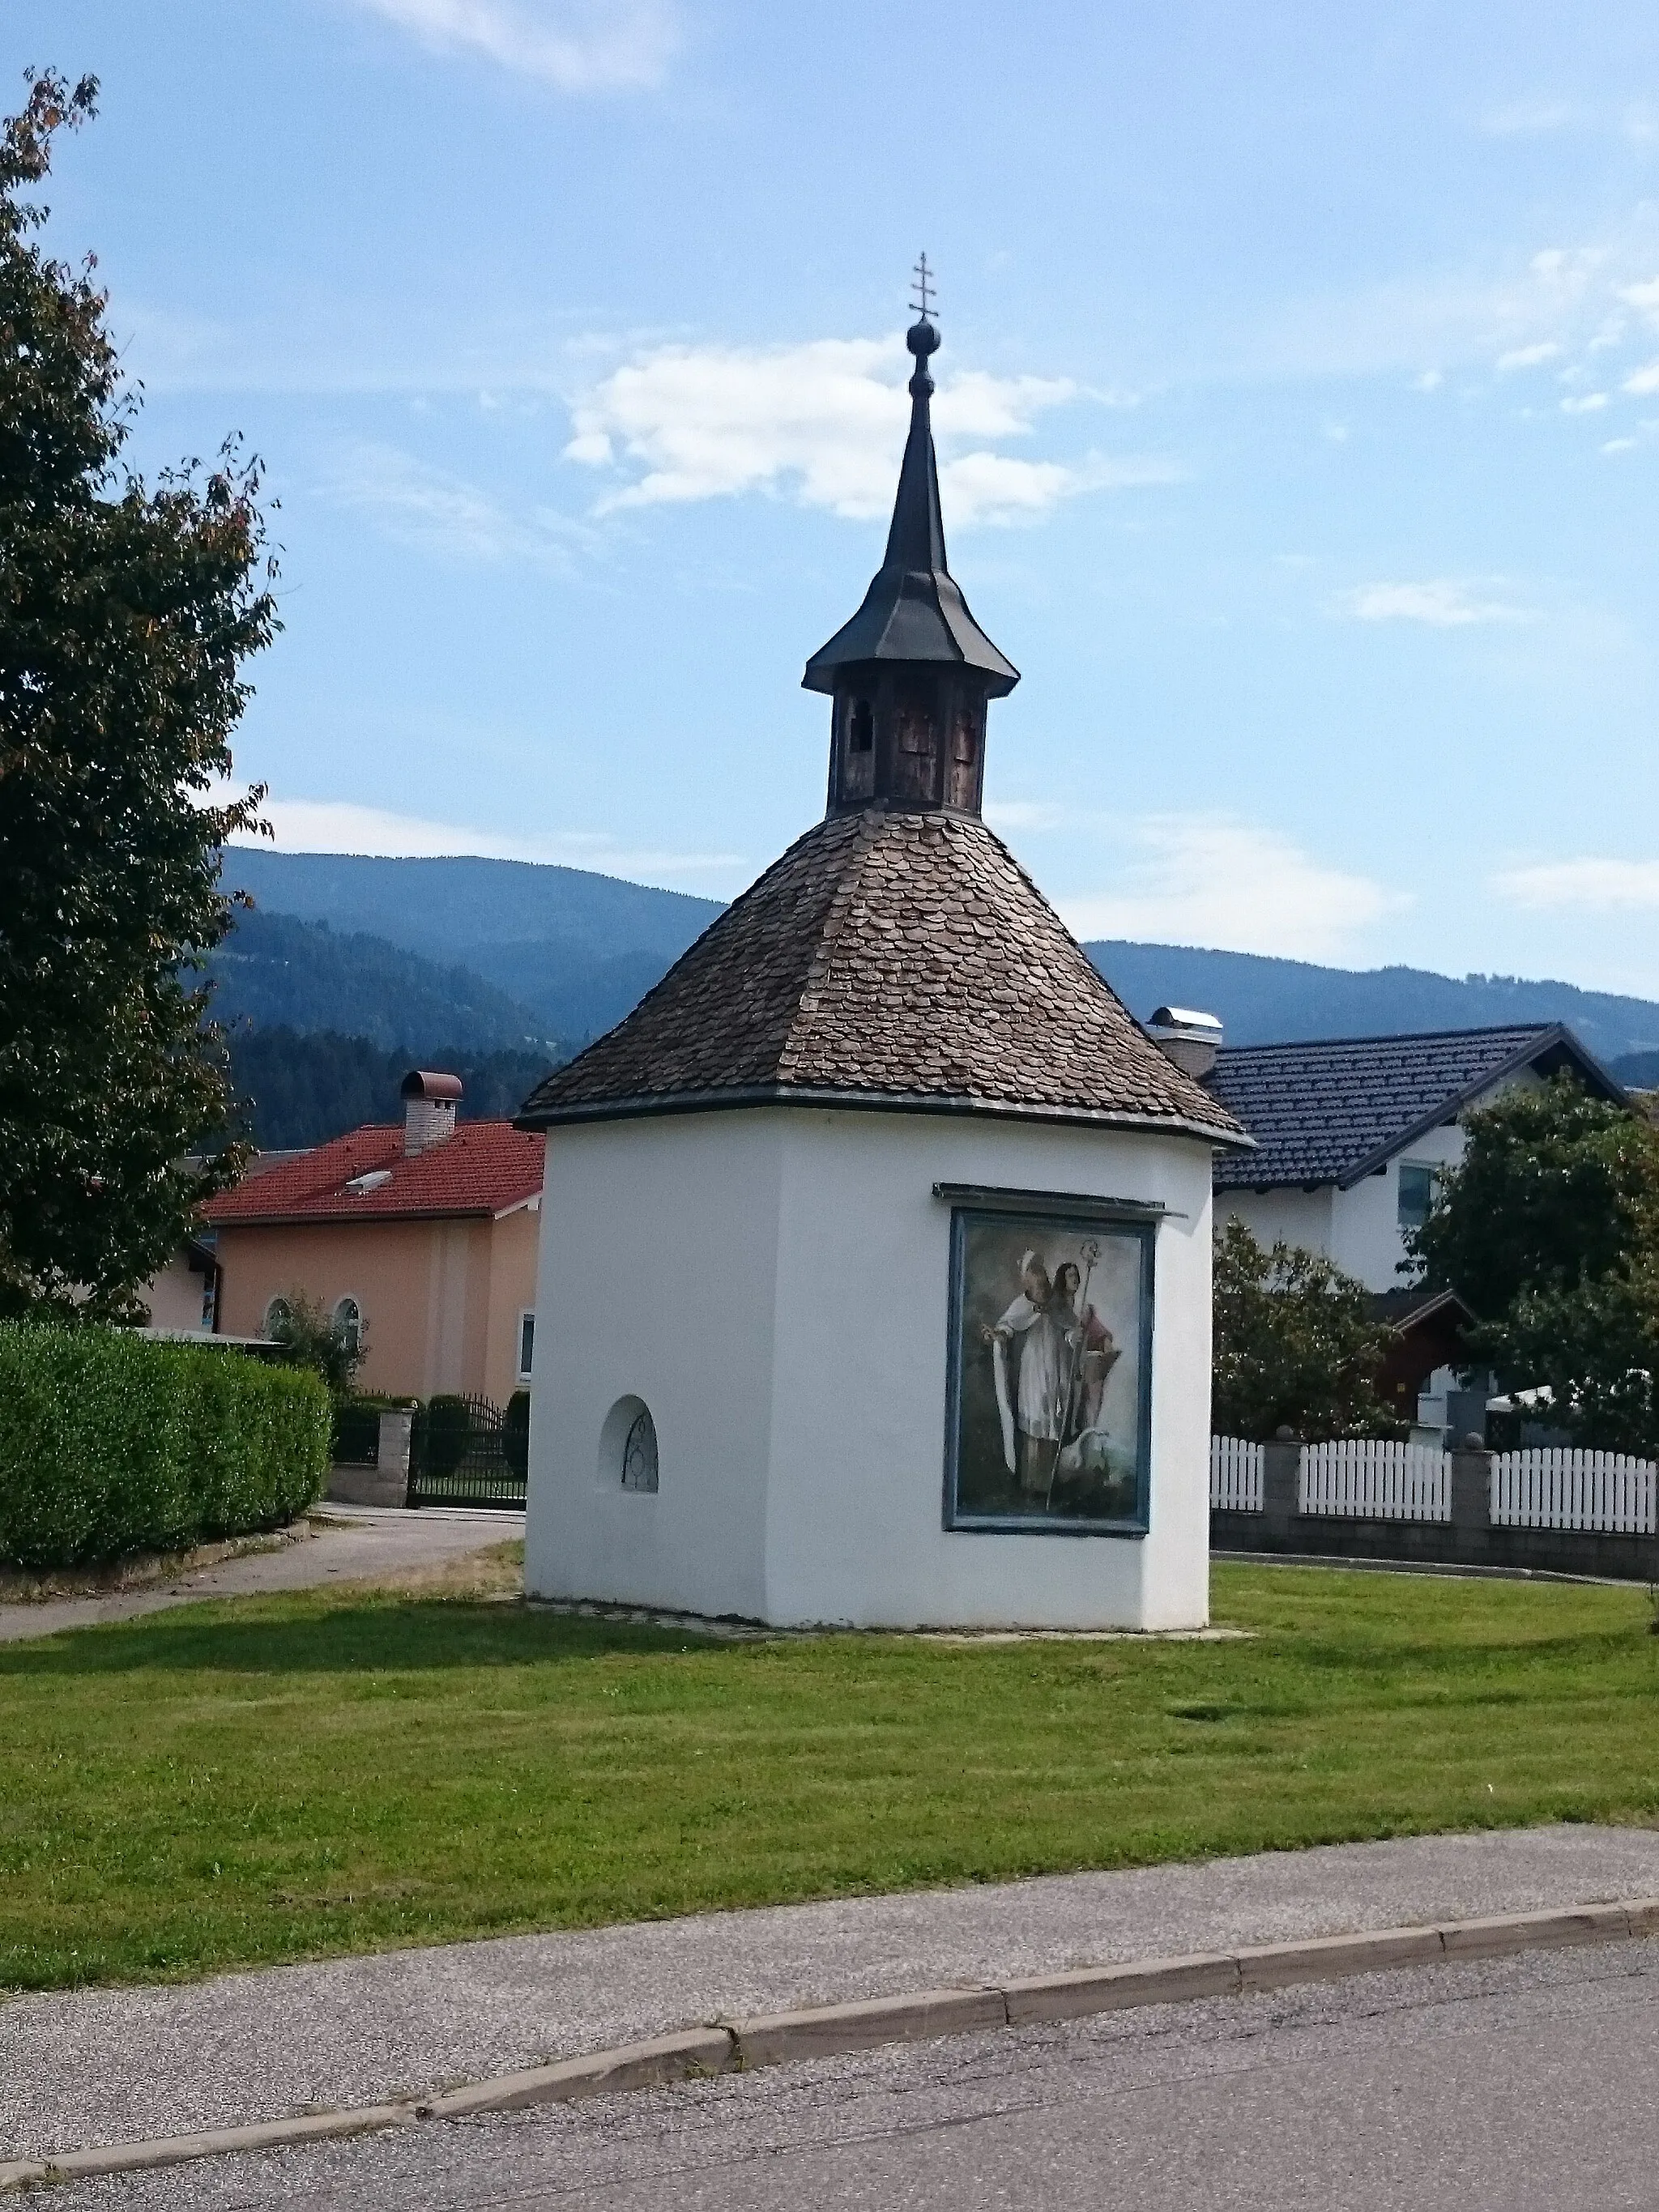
{"x": 310, "y": 1337}
{"x": 1295, "y": 1346}
{"x": 1555, "y": 1188}
{"x": 126, "y": 611}
{"x": 1549, "y": 1229}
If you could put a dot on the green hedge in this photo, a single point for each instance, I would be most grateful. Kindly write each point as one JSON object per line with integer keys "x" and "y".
{"x": 112, "y": 1442}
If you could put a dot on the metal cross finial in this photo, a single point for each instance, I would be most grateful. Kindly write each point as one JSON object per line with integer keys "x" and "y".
{"x": 923, "y": 282}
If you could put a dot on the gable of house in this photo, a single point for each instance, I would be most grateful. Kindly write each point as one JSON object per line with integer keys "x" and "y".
{"x": 1332, "y": 1110}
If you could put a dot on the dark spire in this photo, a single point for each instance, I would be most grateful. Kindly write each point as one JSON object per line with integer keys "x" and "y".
{"x": 913, "y": 644}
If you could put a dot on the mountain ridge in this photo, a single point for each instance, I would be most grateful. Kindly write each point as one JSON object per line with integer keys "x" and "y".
{"x": 574, "y": 951}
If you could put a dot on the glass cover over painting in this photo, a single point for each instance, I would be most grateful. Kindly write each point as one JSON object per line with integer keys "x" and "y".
{"x": 1050, "y": 1343}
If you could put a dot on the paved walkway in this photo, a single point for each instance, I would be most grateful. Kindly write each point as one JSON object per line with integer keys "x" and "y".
{"x": 353, "y": 1543}
{"x": 88, "y": 2066}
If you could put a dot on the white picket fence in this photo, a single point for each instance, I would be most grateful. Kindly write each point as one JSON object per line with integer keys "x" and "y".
{"x": 1368, "y": 1478}
{"x": 1562, "y": 1489}
{"x": 1235, "y": 1475}
{"x": 1371, "y": 1478}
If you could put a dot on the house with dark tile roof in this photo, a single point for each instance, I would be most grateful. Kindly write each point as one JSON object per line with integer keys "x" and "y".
{"x": 1352, "y": 1133}
{"x": 1351, "y": 1137}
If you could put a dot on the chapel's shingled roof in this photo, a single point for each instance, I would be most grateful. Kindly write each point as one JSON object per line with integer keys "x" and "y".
{"x": 888, "y": 959}
{"x": 1332, "y": 1109}
{"x": 485, "y": 1168}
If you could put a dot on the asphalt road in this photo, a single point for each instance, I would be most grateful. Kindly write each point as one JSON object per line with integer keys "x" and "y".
{"x": 1517, "y": 2084}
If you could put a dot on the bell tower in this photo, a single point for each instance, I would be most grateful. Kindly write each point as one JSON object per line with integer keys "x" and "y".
{"x": 910, "y": 675}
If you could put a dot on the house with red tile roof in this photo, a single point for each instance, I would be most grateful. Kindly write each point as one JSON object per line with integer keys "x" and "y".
{"x": 423, "y": 1234}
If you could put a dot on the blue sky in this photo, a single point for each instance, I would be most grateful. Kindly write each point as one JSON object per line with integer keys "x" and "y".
{"x": 1298, "y": 415}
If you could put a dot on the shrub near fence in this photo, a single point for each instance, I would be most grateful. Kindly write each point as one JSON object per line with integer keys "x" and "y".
{"x": 111, "y": 1442}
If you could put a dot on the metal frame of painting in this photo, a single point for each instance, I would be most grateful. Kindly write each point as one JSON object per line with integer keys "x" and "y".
{"x": 1083, "y": 1489}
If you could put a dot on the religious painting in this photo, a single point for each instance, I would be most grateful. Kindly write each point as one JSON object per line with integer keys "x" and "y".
{"x": 1048, "y": 1424}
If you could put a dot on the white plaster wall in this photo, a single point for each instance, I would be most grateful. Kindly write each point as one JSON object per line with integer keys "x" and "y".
{"x": 174, "y": 1297}
{"x": 1300, "y": 1217}
{"x": 793, "y": 1268}
{"x": 1365, "y": 1235}
{"x": 659, "y": 1257}
{"x": 854, "y": 1525}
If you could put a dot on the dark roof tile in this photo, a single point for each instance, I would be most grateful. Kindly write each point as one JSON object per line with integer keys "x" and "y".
{"x": 894, "y": 957}
{"x": 1329, "y": 1110}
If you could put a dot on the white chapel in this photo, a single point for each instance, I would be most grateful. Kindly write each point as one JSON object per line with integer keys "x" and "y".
{"x": 875, "y": 1254}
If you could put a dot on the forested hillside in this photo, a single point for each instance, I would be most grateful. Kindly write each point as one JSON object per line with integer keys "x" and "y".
{"x": 574, "y": 949}
{"x": 302, "y": 1090}
{"x": 275, "y": 971}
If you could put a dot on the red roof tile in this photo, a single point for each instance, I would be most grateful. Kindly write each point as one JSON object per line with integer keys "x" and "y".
{"x": 485, "y": 1168}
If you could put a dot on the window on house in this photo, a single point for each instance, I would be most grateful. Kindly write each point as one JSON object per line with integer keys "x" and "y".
{"x": 348, "y": 1320}
{"x": 277, "y": 1314}
{"x": 1417, "y": 1185}
{"x": 861, "y": 728}
{"x": 527, "y": 1344}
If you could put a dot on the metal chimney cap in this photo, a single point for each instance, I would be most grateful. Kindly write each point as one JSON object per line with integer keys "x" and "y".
{"x": 1184, "y": 1017}
{"x": 429, "y": 1083}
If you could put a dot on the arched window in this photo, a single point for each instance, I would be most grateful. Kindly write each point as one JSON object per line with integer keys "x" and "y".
{"x": 639, "y": 1467}
{"x": 627, "y": 1447}
{"x": 348, "y": 1321}
{"x": 861, "y": 726}
{"x": 278, "y": 1314}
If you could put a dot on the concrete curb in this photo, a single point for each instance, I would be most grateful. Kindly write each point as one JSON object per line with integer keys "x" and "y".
{"x": 825, "y": 2031}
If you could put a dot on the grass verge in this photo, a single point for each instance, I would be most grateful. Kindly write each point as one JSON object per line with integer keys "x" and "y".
{"x": 293, "y": 1777}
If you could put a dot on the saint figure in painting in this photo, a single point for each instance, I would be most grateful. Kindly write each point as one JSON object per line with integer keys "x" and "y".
{"x": 1032, "y": 1406}
{"x": 1090, "y": 1344}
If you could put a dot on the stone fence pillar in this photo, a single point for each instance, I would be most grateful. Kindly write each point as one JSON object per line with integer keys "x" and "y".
{"x": 396, "y": 1426}
{"x": 1471, "y": 1491}
{"x": 1281, "y": 1488}
{"x": 387, "y": 1482}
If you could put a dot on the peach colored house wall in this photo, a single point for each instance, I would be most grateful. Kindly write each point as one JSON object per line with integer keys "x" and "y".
{"x": 440, "y": 1298}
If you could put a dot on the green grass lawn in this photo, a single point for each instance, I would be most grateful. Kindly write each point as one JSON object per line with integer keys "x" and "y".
{"x": 285, "y": 1777}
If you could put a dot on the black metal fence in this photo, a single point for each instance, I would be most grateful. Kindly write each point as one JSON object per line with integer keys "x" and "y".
{"x": 469, "y": 1452}
{"x": 356, "y": 1441}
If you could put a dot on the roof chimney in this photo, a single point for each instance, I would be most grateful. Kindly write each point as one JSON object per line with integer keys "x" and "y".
{"x": 430, "y": 1102}
{"x": 1192, "y": 1040}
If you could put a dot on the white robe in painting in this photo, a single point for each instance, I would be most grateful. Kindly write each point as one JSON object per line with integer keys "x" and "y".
{"x": 1037, "y": 1395}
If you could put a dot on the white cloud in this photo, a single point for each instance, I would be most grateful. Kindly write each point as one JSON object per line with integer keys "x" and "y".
{"x": 1012, "y": 815}
{"x": 1588, "y": 403}
{"x": 1620, "y": 446}
{"x": 578, "y": 45}
{"x": 434, "y": 512}
{"x": 325, "y": 825}
{"x": 1644, "y": 381}
{"x": 1585, "y": 886}
{"x": 1442, "y": 603}
{"x": 1456, "y": 319}
{"x": 1198, "y": 880}
{"x": 824, "y": 422}
{"x": 1528, "y": 357}
{"x": 1529, "y": 118}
